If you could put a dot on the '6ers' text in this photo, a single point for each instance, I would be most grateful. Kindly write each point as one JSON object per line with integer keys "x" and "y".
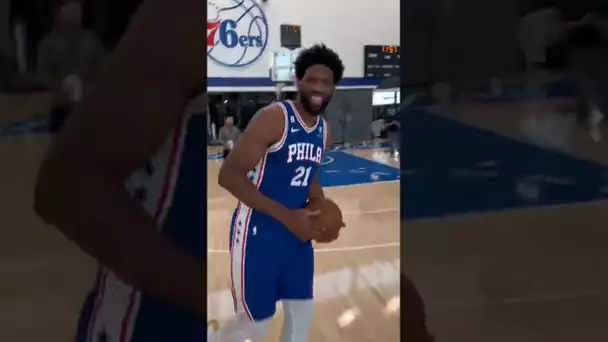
{"x": 223, "y": 31}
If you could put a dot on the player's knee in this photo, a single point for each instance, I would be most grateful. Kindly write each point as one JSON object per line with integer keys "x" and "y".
{"x": 298, "y": 319}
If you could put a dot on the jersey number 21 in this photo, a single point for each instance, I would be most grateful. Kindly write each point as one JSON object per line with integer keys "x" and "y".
{"x": 301, "y": 177}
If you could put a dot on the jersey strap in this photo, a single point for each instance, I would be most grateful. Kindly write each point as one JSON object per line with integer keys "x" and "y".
{"x": 277, "y": 146}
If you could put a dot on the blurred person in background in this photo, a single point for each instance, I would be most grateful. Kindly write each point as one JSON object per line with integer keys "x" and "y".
{"x": 543, "y": 38}
{"x": 248, "y": 110}
{"x": 228, "y": 135}
{"x": 68, "y": 59}
{"x": 12, "y": 80}
{"x": 344, "y": 117}
{"x": 214, "y": 117}
{"x": 588, "y": 56}
{"x": 393, "y": 126}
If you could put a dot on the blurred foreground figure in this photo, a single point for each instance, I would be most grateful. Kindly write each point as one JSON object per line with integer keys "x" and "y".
{"x": 589, "y": 70}
{"x": 68, "y": 59}
{"x": 414, "y": 316}
{"x": 110, "y": 182}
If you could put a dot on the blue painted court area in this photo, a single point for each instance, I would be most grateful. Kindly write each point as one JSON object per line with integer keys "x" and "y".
{"x": 34, "y": 126}
{"x": 341, "y": 168}
{"x": 451, "y": 168}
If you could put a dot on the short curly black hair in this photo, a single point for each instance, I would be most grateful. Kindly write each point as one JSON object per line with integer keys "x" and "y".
{"x": 319, "y": 54}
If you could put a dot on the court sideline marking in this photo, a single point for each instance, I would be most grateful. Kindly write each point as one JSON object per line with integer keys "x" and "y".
{"x": 328, "y": 250}
{"x": 480, "y": 303}
{"x": 357, "y": 212}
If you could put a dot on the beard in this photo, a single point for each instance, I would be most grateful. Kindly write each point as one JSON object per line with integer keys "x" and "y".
{"x": 314, "y": 109}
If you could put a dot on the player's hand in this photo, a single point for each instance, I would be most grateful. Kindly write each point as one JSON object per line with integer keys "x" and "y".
{"x": 300, "y": 223}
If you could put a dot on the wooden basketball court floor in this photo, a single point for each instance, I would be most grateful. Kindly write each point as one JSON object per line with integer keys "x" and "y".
{"x": 535, "y": 274}
{"x": 45, "y": 278}
{"x": 356, "y": 277}
{"x": 524, "y": 274}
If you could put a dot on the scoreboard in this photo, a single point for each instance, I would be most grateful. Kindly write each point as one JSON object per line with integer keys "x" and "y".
{"x": 381, "y": 61}
{"x": 291, "y": 36}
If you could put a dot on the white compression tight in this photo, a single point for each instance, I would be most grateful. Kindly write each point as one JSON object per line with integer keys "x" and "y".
{"x": 298, "y": 319}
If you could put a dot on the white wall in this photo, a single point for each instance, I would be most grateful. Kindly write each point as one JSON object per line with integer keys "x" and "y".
{"x": 343, "y": 25}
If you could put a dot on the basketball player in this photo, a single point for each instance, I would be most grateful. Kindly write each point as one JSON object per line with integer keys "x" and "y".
{"x": 143, "y": 224}
{"x": 273, "y": 172}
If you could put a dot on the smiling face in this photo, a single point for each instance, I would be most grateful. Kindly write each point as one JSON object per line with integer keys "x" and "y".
{"x": 316, "y": 89}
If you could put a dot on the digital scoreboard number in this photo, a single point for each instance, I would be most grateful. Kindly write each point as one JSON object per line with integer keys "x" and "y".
{"x": 381, "y": 61}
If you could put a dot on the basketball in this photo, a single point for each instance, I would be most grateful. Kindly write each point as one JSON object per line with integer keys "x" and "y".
{"x": 330, "y": 217}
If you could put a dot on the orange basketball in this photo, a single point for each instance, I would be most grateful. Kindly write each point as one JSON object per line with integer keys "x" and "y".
{"x": 330, "y": 218}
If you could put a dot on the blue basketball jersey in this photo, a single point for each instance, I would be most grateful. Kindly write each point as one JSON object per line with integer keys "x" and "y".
{"x": 287, "y": 170}
{"x": 268, "y": 262}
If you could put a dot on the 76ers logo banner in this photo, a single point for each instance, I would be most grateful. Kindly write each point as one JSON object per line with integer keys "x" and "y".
{"x": 237, "y": 32}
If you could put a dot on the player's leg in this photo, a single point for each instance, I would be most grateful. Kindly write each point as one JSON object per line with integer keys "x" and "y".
{"x": 296, "y": 293}
{"x": 253, "y": 279}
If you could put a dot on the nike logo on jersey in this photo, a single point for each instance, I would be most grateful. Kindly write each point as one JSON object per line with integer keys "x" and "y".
{"x": 293, "y": 130}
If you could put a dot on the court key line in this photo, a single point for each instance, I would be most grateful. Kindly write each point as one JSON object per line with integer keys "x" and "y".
{"x": 357, "y": 212}
{"x": 328, "y": 250}
{"x": 348, "y": 248}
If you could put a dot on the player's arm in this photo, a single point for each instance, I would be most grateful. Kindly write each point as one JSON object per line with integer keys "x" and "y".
{"x": 137, "y": 98}
{"x": 316, "y": 190}
{"x": 265, "y": 129}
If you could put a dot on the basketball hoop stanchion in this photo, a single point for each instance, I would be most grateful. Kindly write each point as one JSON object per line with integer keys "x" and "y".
{"x": 282, "y": 73}
{"x": 279, "y": 91}
{"x": 280, "y": 86}
{"x": 277, "y": 84}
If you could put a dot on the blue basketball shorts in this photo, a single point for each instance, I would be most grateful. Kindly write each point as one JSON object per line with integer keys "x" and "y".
{"x": 268, "y": 263}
